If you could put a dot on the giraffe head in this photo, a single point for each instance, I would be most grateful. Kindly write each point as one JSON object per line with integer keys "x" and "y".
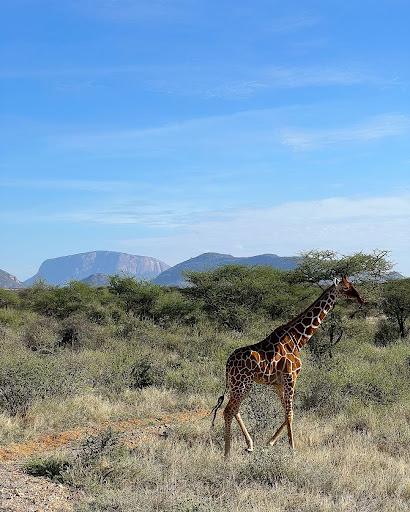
{"x": 345, "y": 287}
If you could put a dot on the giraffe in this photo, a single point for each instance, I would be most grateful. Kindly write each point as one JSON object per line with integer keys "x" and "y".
{"x": 276, "y": 361}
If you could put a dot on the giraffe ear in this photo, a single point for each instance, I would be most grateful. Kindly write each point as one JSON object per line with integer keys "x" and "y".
{"x": 336, "y": 281}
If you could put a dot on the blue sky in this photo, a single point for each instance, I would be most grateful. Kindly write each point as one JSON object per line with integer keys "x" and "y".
{"x": 171, "y": 128}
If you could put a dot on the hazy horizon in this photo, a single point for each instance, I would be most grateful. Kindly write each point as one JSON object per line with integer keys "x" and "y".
{"x": 169, "y": 129}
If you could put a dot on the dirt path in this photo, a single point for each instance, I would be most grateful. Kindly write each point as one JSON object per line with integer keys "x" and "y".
{"x": 20, "y": 492}
{"x": 18, "y": 451}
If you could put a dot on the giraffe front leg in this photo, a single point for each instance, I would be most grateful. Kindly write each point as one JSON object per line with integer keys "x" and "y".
{"x": 286, "y": 393}
{"x": 274, "y": 438}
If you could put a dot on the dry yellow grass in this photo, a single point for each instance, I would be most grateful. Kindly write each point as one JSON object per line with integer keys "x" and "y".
{"x": 335, "y": 470}
{"x": 341, "y": 464}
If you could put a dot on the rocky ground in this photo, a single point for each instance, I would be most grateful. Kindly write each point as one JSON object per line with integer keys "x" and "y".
{"x": 23, "y": 493}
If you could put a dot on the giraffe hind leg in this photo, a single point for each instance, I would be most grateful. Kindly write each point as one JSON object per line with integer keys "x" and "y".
{"x": 245, "y": 432}
{"x": 275, "y": 436}
{"x": 231, "y": 410}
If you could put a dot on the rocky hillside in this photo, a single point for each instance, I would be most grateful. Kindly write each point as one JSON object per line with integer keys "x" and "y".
{"x": 210, "y": 260}
{"x": 9, "y": 281}
{"x": 59, "y": 271}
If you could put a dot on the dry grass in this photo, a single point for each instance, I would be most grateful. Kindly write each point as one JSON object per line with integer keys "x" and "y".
{"x": 338, "y": 466}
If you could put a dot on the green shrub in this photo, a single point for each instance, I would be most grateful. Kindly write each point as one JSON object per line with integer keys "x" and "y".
{"x": 135, "y": 296}
{"x": 387, "y": 332}
{"x": 94, "y": 459}
{"x": 62, "y": 302}
{"x": 360, "y": 374}
{"x": 8, "y": 298}
{"x": 50, "y": 467}
{"x": 96, "y": 446}
{"x": 171, "y": 307}
{"x": 26, "y": 377}
{"x": 78, "y": 331}
{"x": 233, "y": 295}
{"x": 142, "y": 374}
{"x": 10, "y": 316}
{"x": 40, "y": 334}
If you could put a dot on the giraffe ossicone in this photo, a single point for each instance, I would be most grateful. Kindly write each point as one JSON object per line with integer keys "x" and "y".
{"x": 276, "y": 361}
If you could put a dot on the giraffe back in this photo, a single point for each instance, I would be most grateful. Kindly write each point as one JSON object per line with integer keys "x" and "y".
{"x": 266, "y": 362}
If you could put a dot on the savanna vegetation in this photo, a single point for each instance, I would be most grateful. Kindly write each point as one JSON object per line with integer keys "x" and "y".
{"x": 77, "y": 356}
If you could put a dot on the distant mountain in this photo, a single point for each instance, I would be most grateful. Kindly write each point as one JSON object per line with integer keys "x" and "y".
{"x": 9, "y": 281}
{"x": 59, "y": 271}
{"x": 96, "y": 280}
{"x": 210, "y": 260}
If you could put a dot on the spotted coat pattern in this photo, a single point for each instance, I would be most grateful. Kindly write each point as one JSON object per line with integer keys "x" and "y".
{"x": 276, "y": 361}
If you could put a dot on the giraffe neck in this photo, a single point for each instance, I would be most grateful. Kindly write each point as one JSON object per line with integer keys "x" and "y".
{"x": 304, "y": 326}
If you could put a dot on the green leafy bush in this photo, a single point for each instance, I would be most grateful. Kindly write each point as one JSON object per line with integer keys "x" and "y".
{"x": 62, "y": 302}
{"x": 142, "y": 374}
{"x": 387, "y": 332}
{"x": 360, "y": 373}
{"x": 40, "y": 334}
{"x": 8, "y": 298}
{"x": 135, "y": 296}
{"x": 26, "y": 377}
{"x": 233, "y": 294}
{"x": 172, "y": 306}
{"x": 49, "y": 467}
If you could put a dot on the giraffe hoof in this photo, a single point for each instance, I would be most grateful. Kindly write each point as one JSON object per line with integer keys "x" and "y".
{"x": 249, "y": 450}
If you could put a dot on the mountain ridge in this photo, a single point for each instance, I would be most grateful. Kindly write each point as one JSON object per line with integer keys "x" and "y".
{"x": 9, "y": 281}
{"x": 211, "y": 260}
{"x": 61, "y": 270}
{"x": 95, "y": 268}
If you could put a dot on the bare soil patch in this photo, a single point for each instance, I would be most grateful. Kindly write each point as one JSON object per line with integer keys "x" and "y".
{"x": 23, "y": 493}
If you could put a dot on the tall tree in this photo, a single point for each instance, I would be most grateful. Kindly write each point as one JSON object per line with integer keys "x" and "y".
{"x": 317, "y": 267}
{"x": 396, "y": 303}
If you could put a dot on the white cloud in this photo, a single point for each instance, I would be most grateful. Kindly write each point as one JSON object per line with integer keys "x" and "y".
{"x": 178, "y": 231}
{"x": 216, "y": 81}
{"x": 242, "y": 83}
{"x": 146, "y": 214}
{"x": 240, "y": 134}
{"x": 375, "y": 128}
{"x": 340, "y": 223}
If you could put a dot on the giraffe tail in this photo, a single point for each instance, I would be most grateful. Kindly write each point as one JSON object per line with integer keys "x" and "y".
{"x": 217, "y": 406}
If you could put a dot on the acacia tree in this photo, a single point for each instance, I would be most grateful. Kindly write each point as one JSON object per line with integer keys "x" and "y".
{"x": 369, "y": 270}
{"x": 319, "y": 268}
{"x": 233, "y": 294}
{"x": 396, "y": 304}
{"x": 331, "y": 333}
